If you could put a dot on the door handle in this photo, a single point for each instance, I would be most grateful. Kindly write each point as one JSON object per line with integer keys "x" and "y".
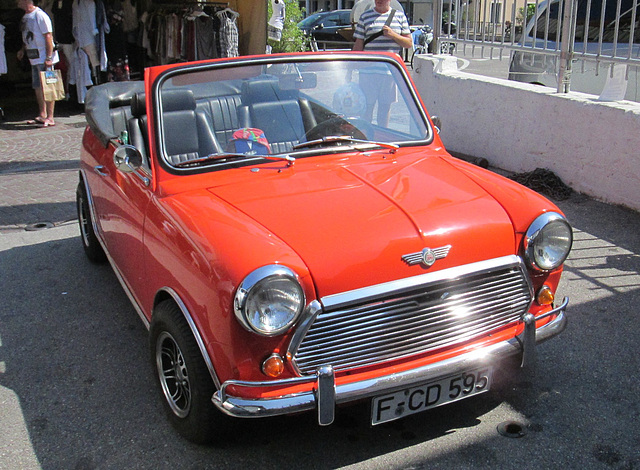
{"x": 98, "y": 169}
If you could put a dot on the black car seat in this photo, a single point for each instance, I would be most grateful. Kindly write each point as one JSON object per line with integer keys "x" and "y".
{"x": 187, "y": 135}
{"x": 276, "y": 112}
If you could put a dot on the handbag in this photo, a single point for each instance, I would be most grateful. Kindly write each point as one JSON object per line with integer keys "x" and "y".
{"x": 52, "y": 86}
{"x": 33, "y": 54}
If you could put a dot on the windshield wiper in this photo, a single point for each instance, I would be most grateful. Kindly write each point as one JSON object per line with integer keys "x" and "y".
{"x": 344, "y": 138}
{"x": 232, "y": 156}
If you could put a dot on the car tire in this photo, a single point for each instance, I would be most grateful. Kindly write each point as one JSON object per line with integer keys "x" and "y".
{"x": 90, "y": 243}
{"x": 184, "y": 379}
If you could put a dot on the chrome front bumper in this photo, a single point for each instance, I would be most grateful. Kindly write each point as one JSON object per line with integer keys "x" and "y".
{"x": 326, "y": 394}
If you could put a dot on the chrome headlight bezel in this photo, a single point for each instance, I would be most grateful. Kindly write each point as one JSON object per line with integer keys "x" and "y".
{"x": 542, "y": 255}
{"x": 275, "y": 279}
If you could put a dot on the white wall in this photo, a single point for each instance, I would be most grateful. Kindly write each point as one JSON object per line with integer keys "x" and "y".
{"x": 593, "y": 146}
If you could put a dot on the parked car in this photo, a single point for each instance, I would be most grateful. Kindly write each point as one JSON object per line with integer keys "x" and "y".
{"x": 586, "y": 76}
{"x": 288, "y": 252}
{"x": 326, "y": 25}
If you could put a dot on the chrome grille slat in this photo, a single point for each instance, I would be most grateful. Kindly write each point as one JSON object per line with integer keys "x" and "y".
{"x": 389, "y": 353}
{"x": 345, "y": 327}
{"x": 425, "y": 336}
{"x": 346, "y": 330}
{"x": 403, "y": 322}
{"x": 393, "y": 335}
{"x": 328, "y": 317}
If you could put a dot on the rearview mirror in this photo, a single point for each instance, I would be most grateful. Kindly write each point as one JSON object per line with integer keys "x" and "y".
{"x": 298, "y": 81}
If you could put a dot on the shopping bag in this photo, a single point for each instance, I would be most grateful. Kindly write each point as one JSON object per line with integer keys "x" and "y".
{"x": 52, "y": 86}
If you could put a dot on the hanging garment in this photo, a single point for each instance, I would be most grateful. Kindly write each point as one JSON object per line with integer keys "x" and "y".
{"x": 85, "y": 28}
{"x": 82, "y": 73}
{"x": 3, "y": 54}
{"x": 130, "y": 17}
{"x": 228, "y": 33}
{"x": 278, "y": 16}
{"x": 206, "y": 38}
{"x": 103, "y": 28}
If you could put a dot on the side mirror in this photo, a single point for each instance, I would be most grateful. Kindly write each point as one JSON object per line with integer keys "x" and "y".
{"x": 437, "y": 123}
{"x": 127, "y": 158}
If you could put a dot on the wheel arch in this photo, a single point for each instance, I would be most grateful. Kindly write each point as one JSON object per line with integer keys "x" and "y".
{"x": 87, "y": 190}
{"x": 167, "y": 293}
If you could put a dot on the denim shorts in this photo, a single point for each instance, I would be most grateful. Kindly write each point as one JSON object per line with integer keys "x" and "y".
{"x": 35, "y": 75}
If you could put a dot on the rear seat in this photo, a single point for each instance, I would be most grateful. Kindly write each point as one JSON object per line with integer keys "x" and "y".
{"x": 260, "y": 103}
{"x": 221, "y": 112}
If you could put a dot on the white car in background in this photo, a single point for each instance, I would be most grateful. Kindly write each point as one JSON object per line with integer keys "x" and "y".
{"x": 587, "y": 75}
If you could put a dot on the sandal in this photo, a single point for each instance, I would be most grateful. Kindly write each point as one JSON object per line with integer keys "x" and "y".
{"x": 48, "y": 123}
{"x": 37, "y": 120}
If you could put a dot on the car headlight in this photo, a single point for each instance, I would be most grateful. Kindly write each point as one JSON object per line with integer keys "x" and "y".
{"x": 269, "y": 300}
{"x": 548, "y": 241}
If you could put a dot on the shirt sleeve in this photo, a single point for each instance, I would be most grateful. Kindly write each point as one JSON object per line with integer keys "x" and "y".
{"x": 404, "y": 23}
{"x": 44, "y": 23}
{"x": 359, "y": 32}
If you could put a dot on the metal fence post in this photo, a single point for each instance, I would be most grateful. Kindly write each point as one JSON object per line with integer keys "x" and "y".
{"x": 566, "y": 45}
{"x": 437, "y": 25}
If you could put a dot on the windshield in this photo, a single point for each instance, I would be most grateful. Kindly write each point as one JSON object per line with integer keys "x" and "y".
{"x": 263, "y": 107}
{"x": 309, "y": 21}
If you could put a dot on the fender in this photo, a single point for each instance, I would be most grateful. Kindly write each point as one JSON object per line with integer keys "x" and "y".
{"x": 192, "y": 326}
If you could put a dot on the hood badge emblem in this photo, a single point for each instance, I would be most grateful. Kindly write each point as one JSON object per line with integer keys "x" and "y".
{"x": 427, "y": 257}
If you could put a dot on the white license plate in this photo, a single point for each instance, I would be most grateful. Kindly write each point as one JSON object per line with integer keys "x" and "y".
{"x": 423, "y": 397}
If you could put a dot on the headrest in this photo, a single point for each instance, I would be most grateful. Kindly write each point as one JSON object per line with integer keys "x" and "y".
{"x": 178, "y": 100}
{"x": 260, "y": 89}
{"x": 138, "y": 104}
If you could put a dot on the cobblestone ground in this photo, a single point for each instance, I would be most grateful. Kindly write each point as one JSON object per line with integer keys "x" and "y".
{"x": 38, "y": 166}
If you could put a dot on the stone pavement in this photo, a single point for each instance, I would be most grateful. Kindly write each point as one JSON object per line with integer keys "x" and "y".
{"x": 38, "y": 166}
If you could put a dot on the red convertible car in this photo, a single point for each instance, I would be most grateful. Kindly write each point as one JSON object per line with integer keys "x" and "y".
{"x": 295, "y": 237}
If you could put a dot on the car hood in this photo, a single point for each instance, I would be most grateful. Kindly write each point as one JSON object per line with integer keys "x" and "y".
{"x": 351, "y": 223}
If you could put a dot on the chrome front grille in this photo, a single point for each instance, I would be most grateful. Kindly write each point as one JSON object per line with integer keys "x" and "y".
{"x": 414, "y": 316}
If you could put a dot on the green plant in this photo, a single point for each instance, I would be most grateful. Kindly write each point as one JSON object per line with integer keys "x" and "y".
{"x": 293, "y": 39}
{"x": 531, "y": 11}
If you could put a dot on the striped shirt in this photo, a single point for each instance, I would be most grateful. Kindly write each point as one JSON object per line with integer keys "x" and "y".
{"x": 371, "y": 22}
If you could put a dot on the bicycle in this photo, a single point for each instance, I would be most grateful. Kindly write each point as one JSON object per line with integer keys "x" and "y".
{"x": 422, "y": 37}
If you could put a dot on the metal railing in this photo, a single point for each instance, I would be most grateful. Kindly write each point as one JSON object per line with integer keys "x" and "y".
{"x": 321, "y": 45}
{"x": 551, "y": 33}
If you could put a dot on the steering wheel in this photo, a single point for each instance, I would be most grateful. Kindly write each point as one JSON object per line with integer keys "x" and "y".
{"x": 339, "y": 126}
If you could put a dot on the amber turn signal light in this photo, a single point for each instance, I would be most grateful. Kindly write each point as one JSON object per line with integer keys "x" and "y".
{"x": 273, "y": 366}
{"x": 545, "y": 296}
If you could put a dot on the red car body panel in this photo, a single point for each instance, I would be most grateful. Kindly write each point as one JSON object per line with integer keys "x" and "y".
{"x": 333, "y": 215}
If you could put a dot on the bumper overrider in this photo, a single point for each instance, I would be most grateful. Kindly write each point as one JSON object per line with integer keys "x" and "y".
{"x": 326, "y": 394}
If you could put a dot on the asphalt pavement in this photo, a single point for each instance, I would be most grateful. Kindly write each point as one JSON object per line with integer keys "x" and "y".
{"x": 77, "y": 390}
{"x": 38, "y": 166}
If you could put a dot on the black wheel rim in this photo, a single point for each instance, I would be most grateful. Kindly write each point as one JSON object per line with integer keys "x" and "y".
{"x": 84, "y": 221}
{"x": 174, "y": 377}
